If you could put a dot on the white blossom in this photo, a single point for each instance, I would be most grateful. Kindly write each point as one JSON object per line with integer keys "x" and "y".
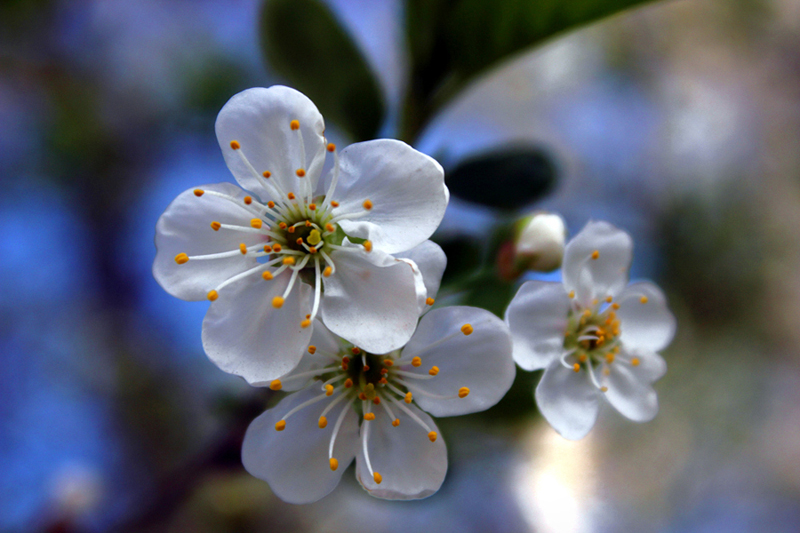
{"x": 292, "y": 246}
{"x": 594, "y": 335}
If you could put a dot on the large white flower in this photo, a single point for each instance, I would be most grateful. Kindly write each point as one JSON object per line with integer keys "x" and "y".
{"x": 292, "y": 245}
{"x": 594, "y": 335}
{"x": 458, "y": 362}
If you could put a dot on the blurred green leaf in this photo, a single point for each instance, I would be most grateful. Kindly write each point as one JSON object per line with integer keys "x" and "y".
{"x": 453, "y": 40}
{"x": 303, "y": 41}
{"x": 508, "y": 179}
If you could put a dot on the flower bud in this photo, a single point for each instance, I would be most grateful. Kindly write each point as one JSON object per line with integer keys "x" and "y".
{"x": 539, "y": 244}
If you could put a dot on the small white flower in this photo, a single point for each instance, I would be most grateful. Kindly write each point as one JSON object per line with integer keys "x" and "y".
{"x": 296, "y": 245}
{"x": 540, "y": 243}
{"x": 594, "y": 335}
{"x": 347, "y": 403}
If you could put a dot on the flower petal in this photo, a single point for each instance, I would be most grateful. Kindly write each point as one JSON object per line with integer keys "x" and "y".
{"x": 630, "y": 393}
{"x": 185, "y": 227}
{"x": 431, "y": 261}
{"x": 480, "y": 361}
{"x": 649, "y": 326}
{"x": 259, "y": 120}
{"x": 295, "y": 461}
{"x": 568, "y": 400}
{"x": 325, "y": 344}
{"x": 245, "y": 335}
{"x": 406, "y": 189}
{"x": 371, "y": 299}
{"x": 605, "y": 276}
{"x": 537, "y": 318}
{"x": 411, "y": 466}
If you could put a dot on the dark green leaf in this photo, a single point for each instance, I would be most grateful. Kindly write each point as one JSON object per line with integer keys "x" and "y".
{"x": 453, "y": 40}
{"x": 507, "y": 179}
{"x": 303, "y": 42}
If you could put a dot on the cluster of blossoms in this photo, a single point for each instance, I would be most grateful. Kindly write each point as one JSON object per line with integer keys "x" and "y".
{"x": 317, "y": 282}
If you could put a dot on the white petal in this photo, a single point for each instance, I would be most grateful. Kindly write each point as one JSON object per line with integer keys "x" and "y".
{"x": 649, "y": 326}
{"x": 259, "y": 120}
{"x": 325, "y": 344}
{"x": 411, "y": 466}
{"x": 431, "y": 261}
{"x": 295, "y": 461}
{"x": 245, "y": 335}
{"x": 568, "y": 400}
{"x": 185, "y": 227}
{"x": 651, "y": 367}
{"x": 480, "y": 361}
{"x": 630, "y": 393}
{"x": 605, "y": 276}
{"x": 537, "y": 318}
{"x": 406, "y": 188}
{"x": 371, "y": 300}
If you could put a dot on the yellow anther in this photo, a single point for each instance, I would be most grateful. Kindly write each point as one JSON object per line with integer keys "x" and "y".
{"x": 329, "y": 228}
{"x": 643, "y": 299}
{"x": 276, "y": 248}
{"x": 248, "y": 200}
{"x": 288, "y": 260}
{"x": 291, "y": 196}
{"x": 388, "y": 362}
{"x": 331, "y": 147}
{"x": 268, "y": 248}
{"x": 266, "y": 173}
{"x": 280, "y": 425}
{"x": 299, "y": 241}
{"x": 595, "y": 254}
{"x": 199, "y": 192}
{"x": 576, "y": 367}
{"x": 467, "y": 329}
{"x": 277, "y": 302}
{"x": 396, "y": 422}
{"x": 243, "y": 248}
{"x": 367, "y": 246}
{"x": 322, "y": 422}
{"x": 295, "y": 125}
{"x": 300, "y": 172}
{"x": 571, "y": 294}
{"x": 608, "y": 299}
{"x": 429, "y": 301}
{"x": 212, "y": 295}
{"x": 282, "y": 225}
{"x": 369, "y": 416}
{"x": 356, "y": 350}
{"x": 334, "y": 203}
{"x": 376, "y": 400}
{"x": 216, "y": 225}
{"x": 432, "y": 436}
{"x": 304, "y": 324}
{"x": 314, "y": 237}
{"x": 270, "y": 204}
{"x": 348, "y": 383}
{"x": 291, "y": 229}
{"x": 463, "y": 392}
{"x": 416, "y": 361}
{"x": 256, "y": 223}
{"x": 433, "y": 371}
{"x": 635, "y": 361}
{"x": 377, "y": 477}
{"x": 609, "y": 358}
{"x": 615, "y": 305}
{"x": 181, "y": 258}
{"x": 367, "y": 205}
{"x": 334, "y": 464}
{"x": 275, "y": 384}
{"x": 603, "y": 389}
{"x": 235, "y": 145}
{"x": 312, "y": 349}
{"x": 313, "y": 207}
{"x": 327, "y": 272}
{"x": 582, "y": 358}
{"x": 587, "y": 313}
{"x": 408, "y": 397}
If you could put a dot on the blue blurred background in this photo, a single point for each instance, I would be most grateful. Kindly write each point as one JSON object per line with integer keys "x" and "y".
{"x": 678, "y": 121}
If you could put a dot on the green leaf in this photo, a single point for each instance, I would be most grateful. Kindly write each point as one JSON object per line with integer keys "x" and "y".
{"x": 507, "y": 179}
{"x": 303, "y": 41}
{"x": 453, "y": 40}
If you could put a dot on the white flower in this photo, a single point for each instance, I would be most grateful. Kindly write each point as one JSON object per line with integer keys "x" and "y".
{"x": 594, "y": 336}
{"x": 296, "y": 245}
{"x": 347, "y": 403}
{"x": 540, "y": 243}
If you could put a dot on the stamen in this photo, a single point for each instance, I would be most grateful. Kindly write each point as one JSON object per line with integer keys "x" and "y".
{"x": 243, "y": 248}
{"x": 576, "y": 367}
{"x": 280, "y": 425}
{"x": 643, "y": 299}
{"x": 182, "y": 258}
{"x": 295, "y": 125}
{"x": 213, "y": 295}
{"x": 248, "y": 200}
{"x": 635, "y": 361}
{"x": 433, "y": 371}
{"x": 267, "y": 174}
{"x": 334, "y": 464}
{"x": 322, "y": 423}
{"x": 303, "y": 405}
{"x": 377, "y": 477}
{"x": 367, "y": 245}
{"x": 277, "y": 302}
{"x": 267, "y": 275}
{"x": 256, "y": 223}
{"x": 367, "y": 205}
{"x": 429, "y": 301}
{"x": 364, "y": 446}
{"x": 235, "y": 145}
{"x": 276, "y": 384}
{"x": 466, "y": 329}
{"x": 369, "y": 416}
{"x": 336, "y": 427}
{"x": 595, "y": 254}
{"x": 300, "y": 172}
{"x": 312, "y": 349}
{"x": 432, "y": 436}
{"x": 199, "y": 192}
{"x": 216, "y": 225}
{"x": 416, "y": 361}
{"x": 463, "y": 392}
